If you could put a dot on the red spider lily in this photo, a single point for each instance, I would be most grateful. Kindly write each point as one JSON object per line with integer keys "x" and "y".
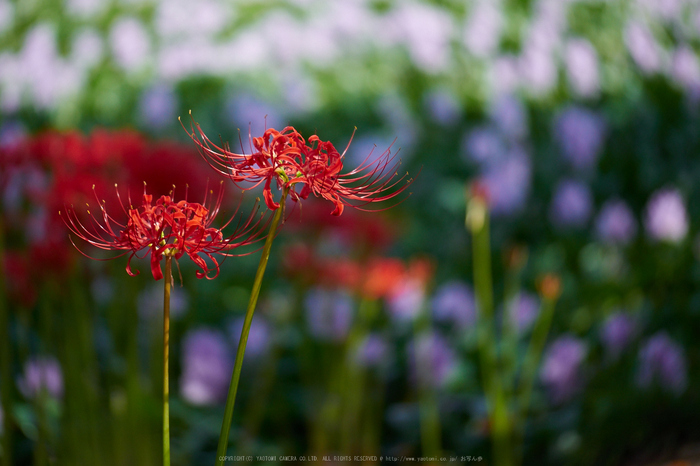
{"x": 165, "y": 228}
{"x": 286, "y": 158}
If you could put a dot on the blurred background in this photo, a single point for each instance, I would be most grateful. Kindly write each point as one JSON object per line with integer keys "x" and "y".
{"x": 580, "y": 118}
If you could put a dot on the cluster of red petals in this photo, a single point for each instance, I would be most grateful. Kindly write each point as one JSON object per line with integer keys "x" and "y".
{"x": 42, "y": 173}
{"x": 165, "y": 228}
{"x": 287, "y": 159}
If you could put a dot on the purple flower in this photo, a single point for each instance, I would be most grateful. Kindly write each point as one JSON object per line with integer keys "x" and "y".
{"x": 615, "y": 223}
{"x": 616, "y": 333}
{"x": 662, "y": 360}
{"x": 538, "y": 70}
{"x": 685, "y": 68}
{"x": 572, "y": 204}
{"x": 130, "y": 43}
{"x": 561, "y": 367}
{"x": 484, "y": 145}
{"x": 643, "y": 48}
{"x": 373, "y": 351}
{"x": 454, "y": 303}
{"x": 258, "y": 336}
{"x": 508, "y": 182}
{"x": 406, "y": 300}
{"x": 432, "y": 359}
{"x": 508, "y": 113}
{"x": 41, "y": 373}
{"x": 666, "y": 9}
{"x": 158, "y": 106}
{"x": 582, "y": 67}
{"x": 483, "y": 29}
{"x": 524, "y": 311}
{"x": 580, "y": 133}
{"x": 12, "y": 133}
{"x": 443, "y": 106}
{"x": 206, "y": 367}
{"x": 368, "y": 147}
{"x": 666, "y": 218}
{"x": 426, "y": 31}
{"x": 87, "y": 49}
{"x": 504, "y": 74}
{"x": 250, "y": 112}
{"x": 328, "y": 314}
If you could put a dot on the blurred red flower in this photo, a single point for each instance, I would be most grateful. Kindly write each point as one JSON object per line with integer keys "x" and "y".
{"x": 41, "y": 174}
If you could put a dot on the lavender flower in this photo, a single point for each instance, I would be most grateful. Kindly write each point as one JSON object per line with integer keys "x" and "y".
{"x": 130, "y": 44}
{"x": 433, "y": 361}
{"x": 666, "y": 218}
{"x": 158, "y": 106}
{"x": 206, "y": 367}
{"x": 508, "y": 113}
{"x": 667, "y": 9}
{"x": 258, "y": 336}
{"x": 253, "y": 114}
{"x": 373, "y": 351}
{"x": 406, "y": 300}
{"x": 561, "y": 367}
{"x": 504, "y": 74}
{"x": 425, "y": 30}
{"x": 539, "y": 72}
{"x": 328, "y": 314}
{"x": 616, "y": 333}
{"x": 87, "y": 49}
{"x": 175, "y": 19}
{"x": 523, "y": 312}
{"x": 580, "y": 133}
{"x": 685, "y": 68}
{"x": 369, "y": 147}
{"x": 582, "y": 67}
{"x": 484, "y": 145}
{"x": 662, "y": 360}
{"x": 615, "y": 223}
{"x": 41, "y": 373}
{"x": 508, "y": 182}
{"x": 643, "y": 48}
{"x": 454, "y": 303}
{"x": 571, "y": 206}
{"x": 443, "y": 106}
{"x": 483, "y": 29}
{"x": 12, "y": 133}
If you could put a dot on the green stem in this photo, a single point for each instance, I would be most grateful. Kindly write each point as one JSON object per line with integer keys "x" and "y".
{"x": 255, "y": 292}
{"x": 5, "y": 363}
{"x": 532, "y": 358}
{"x": 429, "y": 417}
{"x": 478, "y": 223}
{"x": 166, "y": 354}
{"x": 354, "y": 391}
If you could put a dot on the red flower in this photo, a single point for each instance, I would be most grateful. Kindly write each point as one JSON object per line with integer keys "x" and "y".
{"x": 165, "y": 228}
{"x": 288, "y": 160}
